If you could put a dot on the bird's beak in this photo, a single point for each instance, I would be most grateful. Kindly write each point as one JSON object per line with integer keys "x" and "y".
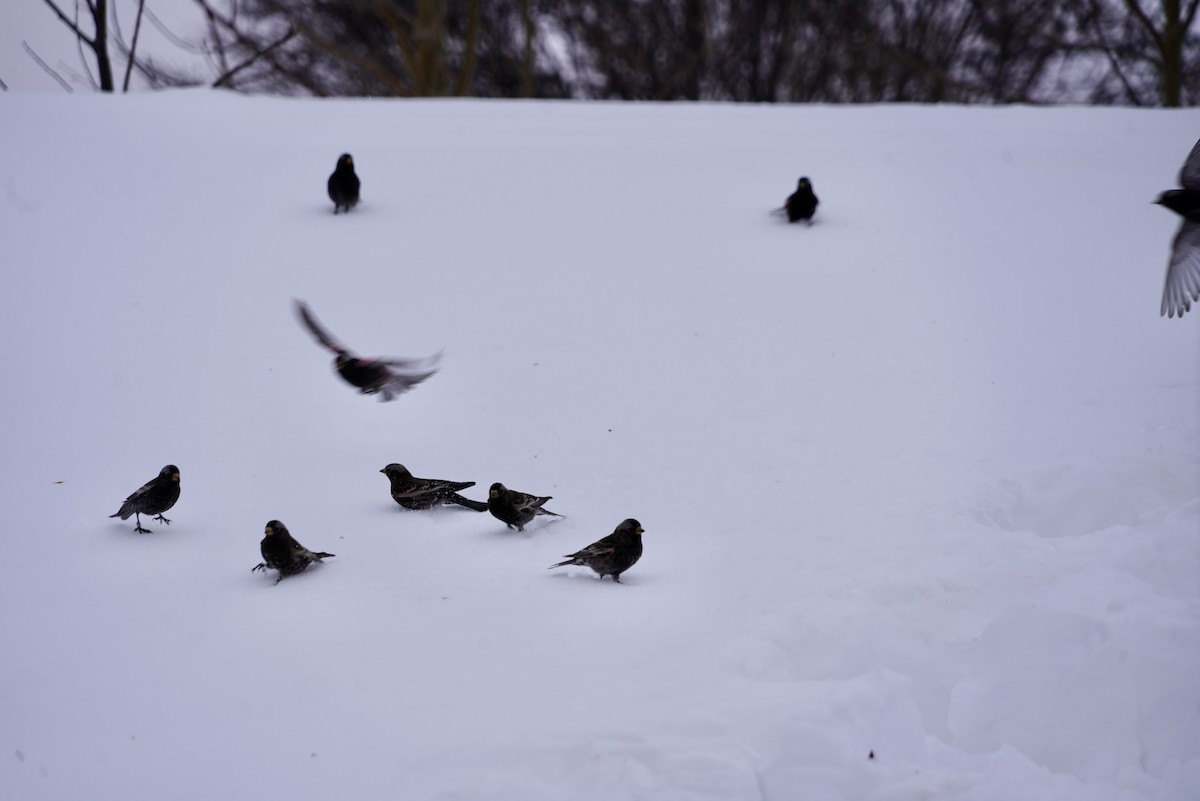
{"x": 175, "y": 477}
{"x": 383, "y": 471}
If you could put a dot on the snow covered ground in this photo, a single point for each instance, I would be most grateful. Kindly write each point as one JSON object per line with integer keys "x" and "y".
{"x": 921, "y": 481}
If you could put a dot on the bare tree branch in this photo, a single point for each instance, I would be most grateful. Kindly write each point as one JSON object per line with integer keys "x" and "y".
{"x": 226, "y": 78}
{"x": 1189, "y": 15}
{"x": 1135, "y": 8}
{"x": 79, "y": 40}
{"x": 67, "y": 21}
{"x": 174, "y": 38}
{"x": 231, "y": 26}
{"x": 49, "y": 70}
{"x": 137, "y": 27}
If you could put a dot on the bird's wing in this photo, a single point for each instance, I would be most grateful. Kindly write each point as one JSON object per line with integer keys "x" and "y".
{"x": 1183, "y": 274}
{"x": 399, "y": 383}
{"x": 428, "y": 486}
{"x": 600, "y": 547}
{"x": 142, "y": 490}
{"x": 1189, "y": 175}
{"x": 323, "y": 336}
{"x": 522, "y": 500}
{"x": 299, "y": 550}
{"x": 416, "y": 365}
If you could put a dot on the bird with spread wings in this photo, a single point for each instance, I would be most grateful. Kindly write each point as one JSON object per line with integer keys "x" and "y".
{"x": 386, "y": 377}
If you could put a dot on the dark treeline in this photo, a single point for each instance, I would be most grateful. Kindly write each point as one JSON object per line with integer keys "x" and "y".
{"x": 1133, "y": 52}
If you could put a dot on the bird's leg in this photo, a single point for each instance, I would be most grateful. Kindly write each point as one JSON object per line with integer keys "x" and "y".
{"x": 138, "y": 524}
{"x": 163, "y": 519}
{"x": 278, "y": 579}
{"x": 616, "y": 577}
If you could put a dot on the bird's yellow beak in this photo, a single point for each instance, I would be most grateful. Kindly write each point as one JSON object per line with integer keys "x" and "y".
{"x": 174, "y": 476}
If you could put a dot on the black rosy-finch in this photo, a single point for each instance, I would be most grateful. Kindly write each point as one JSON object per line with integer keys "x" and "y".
{"x": 612, "y": 555}
{"x": 801, "y": 204}
{"x": 1183, "y": 271}
{"x": 514, "y": 508}
{"x": 281, "y": 552}
{"x": 343, "y": 185}
{"x": 424, "y": 493}
{"x": 152, "y": 498}
{"x": 386, "y": 377}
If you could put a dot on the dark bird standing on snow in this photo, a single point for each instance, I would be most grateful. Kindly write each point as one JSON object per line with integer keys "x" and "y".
{"x": 1183, "y": 272}
{"x": 514, "y": 508}
{"x": 612, "y": 555}
{"x": 281, "y": 552}
{"x": 343, "y": 185}
{"x": 801, "y": 204}
{"x": 152, "y": 498}
{"x": 388, "y": 377}
{"x": 425, "y": 493}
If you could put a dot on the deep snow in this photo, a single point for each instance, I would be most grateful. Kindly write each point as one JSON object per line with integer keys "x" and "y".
{"x": 921, "y": 480}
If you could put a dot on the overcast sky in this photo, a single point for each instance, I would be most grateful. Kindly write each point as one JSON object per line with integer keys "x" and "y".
{"x": 33, "y": 21}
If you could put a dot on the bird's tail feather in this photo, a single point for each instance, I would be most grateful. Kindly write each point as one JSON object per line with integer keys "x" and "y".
{"x": 542, "y": 511}
{"x": 570, "y": 561}
{"x": 478, "y": 506}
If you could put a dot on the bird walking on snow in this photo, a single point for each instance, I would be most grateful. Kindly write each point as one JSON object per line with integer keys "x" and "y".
{"x": 612, "y": 555}
{"x": 1182, "y": 285}
{"x": 152, "y": 498}
{"x": 424, "y": 493}
{"x": 387, "y": 377}
{"x": 343, "y": 185}
{"x": 515, "y": 509}
{"x": 281, "y": 552}
{"x": 801, "y": 204}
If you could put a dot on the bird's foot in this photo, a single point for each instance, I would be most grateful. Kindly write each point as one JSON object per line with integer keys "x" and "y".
{"x": 162, "y": 519}
{"x": 260, "y": 566}
{"x": 141, "y": 530}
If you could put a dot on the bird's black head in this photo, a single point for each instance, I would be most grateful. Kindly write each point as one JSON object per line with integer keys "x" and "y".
{"x": 275, "y": 527}
{"x": 496, "y": 490}
{"x": 345, "y": 162}
{"x": 170, "y": 471}
{"x": 398, "y": 470}
{"x": 343, "y": 361}
{"x": 630, "y": 526}
{"x": 804, "y": 183}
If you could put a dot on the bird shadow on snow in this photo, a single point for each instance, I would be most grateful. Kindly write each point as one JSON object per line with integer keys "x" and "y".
{"x": 125, "y": 532}
{"x": 361, "y": 210}
{"x": 270, "y": 578}
{"x": 530, "y": 531}
{"x": 580, "y": 573}
{"x": 825, "y": 220}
